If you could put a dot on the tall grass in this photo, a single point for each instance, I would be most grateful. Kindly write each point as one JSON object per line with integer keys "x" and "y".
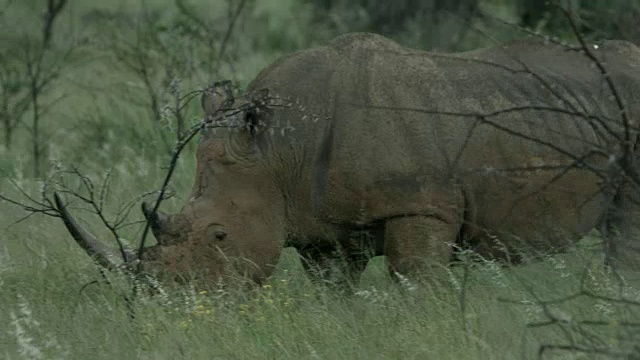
{"x": 56, "y": 305}
{"x": 50, "y": 311}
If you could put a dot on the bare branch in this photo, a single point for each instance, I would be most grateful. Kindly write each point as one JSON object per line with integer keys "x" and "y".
{"x": 227, "y": 35}
{"x": 189, "y": 135}
{"x": 54, "y": 8}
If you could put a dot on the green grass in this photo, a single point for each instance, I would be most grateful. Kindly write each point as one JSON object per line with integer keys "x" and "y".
{"x": 52, "y": 309}
{"x": 46, "y": 310}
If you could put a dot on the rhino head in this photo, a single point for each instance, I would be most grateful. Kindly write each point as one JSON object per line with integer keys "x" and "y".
{"x": 232, "y": 225}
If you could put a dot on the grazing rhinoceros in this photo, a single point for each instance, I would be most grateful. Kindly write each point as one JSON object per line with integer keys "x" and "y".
{"x": 420, "y": 151}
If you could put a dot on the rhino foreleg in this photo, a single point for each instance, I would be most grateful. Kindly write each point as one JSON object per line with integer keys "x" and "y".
{"x": 419, "y": 247}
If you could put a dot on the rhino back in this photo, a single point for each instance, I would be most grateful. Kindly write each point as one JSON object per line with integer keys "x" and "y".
{"x": 403, "y": 137}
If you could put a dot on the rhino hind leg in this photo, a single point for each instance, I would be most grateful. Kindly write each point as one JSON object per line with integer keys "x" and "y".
{"x": 333, "y": 266}
{"x": 419, "y": 247}
{"x": 622, "y": 236}
{"x": 623, "y": 250}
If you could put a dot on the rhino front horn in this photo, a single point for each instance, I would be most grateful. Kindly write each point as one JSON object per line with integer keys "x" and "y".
{"x": 96, "y": 250}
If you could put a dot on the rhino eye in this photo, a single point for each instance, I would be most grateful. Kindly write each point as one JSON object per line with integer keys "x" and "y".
{"x": 215, "y": 232}
{"x": 220, "y": 235}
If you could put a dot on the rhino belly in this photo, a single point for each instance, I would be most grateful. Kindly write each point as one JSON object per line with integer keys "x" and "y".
{"x": 532, "y": 212}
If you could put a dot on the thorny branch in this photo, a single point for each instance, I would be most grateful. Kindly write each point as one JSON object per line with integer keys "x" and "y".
{"x": 588, "y": 341}
{"x": 592, "y": 342}
{"x": 629, "y": 145}
{"x": 97, "y": 205}
{"x": 175, "y": 155}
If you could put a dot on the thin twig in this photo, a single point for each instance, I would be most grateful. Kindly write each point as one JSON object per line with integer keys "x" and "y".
{"x": 227, "y": 34}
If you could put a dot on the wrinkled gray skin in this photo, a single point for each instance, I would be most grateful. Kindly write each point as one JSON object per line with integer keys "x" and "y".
{"x": 392, "y": 167}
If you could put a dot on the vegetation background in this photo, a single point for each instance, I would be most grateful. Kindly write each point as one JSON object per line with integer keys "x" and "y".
{"x": 94, "y": 85}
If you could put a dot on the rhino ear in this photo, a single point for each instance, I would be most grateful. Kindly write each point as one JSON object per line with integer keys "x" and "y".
{"x": 256, "y": 119}
{"x": 216, "y": 97}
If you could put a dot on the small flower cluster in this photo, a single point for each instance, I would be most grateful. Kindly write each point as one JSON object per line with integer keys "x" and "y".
{"x": 278, "y": 295}
{"x": 270, "y": 298}
{"x": 207, "y": 305}
{"x": 201, "y": 305}
{"x": 201, "y": 308}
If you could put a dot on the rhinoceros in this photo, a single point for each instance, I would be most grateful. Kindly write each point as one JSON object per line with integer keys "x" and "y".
{"x": 366, "y": 148}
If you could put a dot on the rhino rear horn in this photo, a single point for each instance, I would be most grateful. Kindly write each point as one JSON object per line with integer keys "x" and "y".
{"x": 156, "y": 219}
{"x": 96, "y": 250}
